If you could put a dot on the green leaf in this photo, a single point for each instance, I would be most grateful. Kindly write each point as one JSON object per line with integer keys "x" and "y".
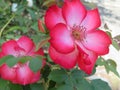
{"x": 4, "y": 85}
{"x": 32, "y": 13}
{"x": 35, "y": 26}
{"x": 25, "y": 59}
{"x": 58, "y": 75}
{"x": 65, "y": 87}
{"x": 109, "y": 33}
{"x": 36, "y": 86}
{"x": 76, "y": 77}
{"x": 84, "y": 85}
{"x": 52, "y": 88}
{"x": 15, "y": 86}
{"x": 12, "y": 61}
{"x": 111, "y": 66}
{"x": 100, "y": 85}
{"x": 115, "y": 44}
{"x": 4, "y": 59}
{"x": 35, "y": 64}
{"x": 13, "y": 28}
{"x": 100, "y": 61}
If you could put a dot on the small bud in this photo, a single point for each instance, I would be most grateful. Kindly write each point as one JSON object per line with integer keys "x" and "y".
{"x": 40, "y": 26}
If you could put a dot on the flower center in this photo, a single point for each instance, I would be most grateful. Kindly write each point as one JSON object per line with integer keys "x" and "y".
{"x": 78, "y": 32}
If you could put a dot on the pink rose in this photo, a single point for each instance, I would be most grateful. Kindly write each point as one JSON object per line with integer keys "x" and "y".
{"x": 19, "y": 73}
{"x": 75, "y": 38}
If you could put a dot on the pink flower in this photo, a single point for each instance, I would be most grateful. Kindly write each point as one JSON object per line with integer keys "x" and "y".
{"x": 20, "y": 73}
{"x": 75, "y": 38}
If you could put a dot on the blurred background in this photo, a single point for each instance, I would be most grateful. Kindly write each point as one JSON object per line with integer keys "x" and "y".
{"x": 110, "y": 15}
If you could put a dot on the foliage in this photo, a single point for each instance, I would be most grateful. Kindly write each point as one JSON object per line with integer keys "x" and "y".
{"x": 23, "y": 21}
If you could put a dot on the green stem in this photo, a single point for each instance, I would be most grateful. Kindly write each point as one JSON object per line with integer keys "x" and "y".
{"x": 3, "y": 28}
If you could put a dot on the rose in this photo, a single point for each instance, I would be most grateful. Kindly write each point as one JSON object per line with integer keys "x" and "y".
{"x": 75, "y": 38}
{"x": 20, "y": 73}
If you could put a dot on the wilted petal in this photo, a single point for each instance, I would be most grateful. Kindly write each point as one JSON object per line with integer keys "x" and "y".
{"x": 97, "y": 41}
{"x": 53, "y": 16}
{"x": 61, "y": 39}
{"x": 73, "y": 12}
{"x": 67, "y": 61}
{"x": 92, "y": 20}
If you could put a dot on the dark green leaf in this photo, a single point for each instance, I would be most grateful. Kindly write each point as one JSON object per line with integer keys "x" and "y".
{"x": 36, "y": 87}
{"x": 12, "y": 61}
{"x": 4, "y": 85}
{"x": 4, "y": 59}
{"x": 52, "y": 88}
{"x": 58, "y": 75}
{"x": 32, "y": 13}
{"x": 15, "y": 86}
{"x": 65, "y": 87}
{"x": 26, "y": 87}
{"x": 35, "y": 26}
{"x": 35, "y": 64}
{"x": 100, "y": 85}
{"x": 76, "y": 77}
{"x": 84, "y": 85}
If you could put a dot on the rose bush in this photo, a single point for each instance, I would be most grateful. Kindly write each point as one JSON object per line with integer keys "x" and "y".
{"x": 53, "y": 45}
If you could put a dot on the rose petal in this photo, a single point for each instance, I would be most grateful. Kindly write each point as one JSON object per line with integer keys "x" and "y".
{"x": 67, "y": 61}
{"x": 87, "y": 58}
{"x": 40, "y": 52}
{"x": 36, "y": 77}
{"x": 87, "y": 63}
{"x": 11, "y": 48}
{"x": 97, "y": 41}
{"x": 92, "y": 20}
{"x": 2, "y": 54}
{"x": 61, "y": 39}
{"x": 53, "y": 16}
{"x": 7, "y": 73}
{"x": 27, "y": 44}
{"x": 24, "y": 74}
{"x": 73, "y": 12}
